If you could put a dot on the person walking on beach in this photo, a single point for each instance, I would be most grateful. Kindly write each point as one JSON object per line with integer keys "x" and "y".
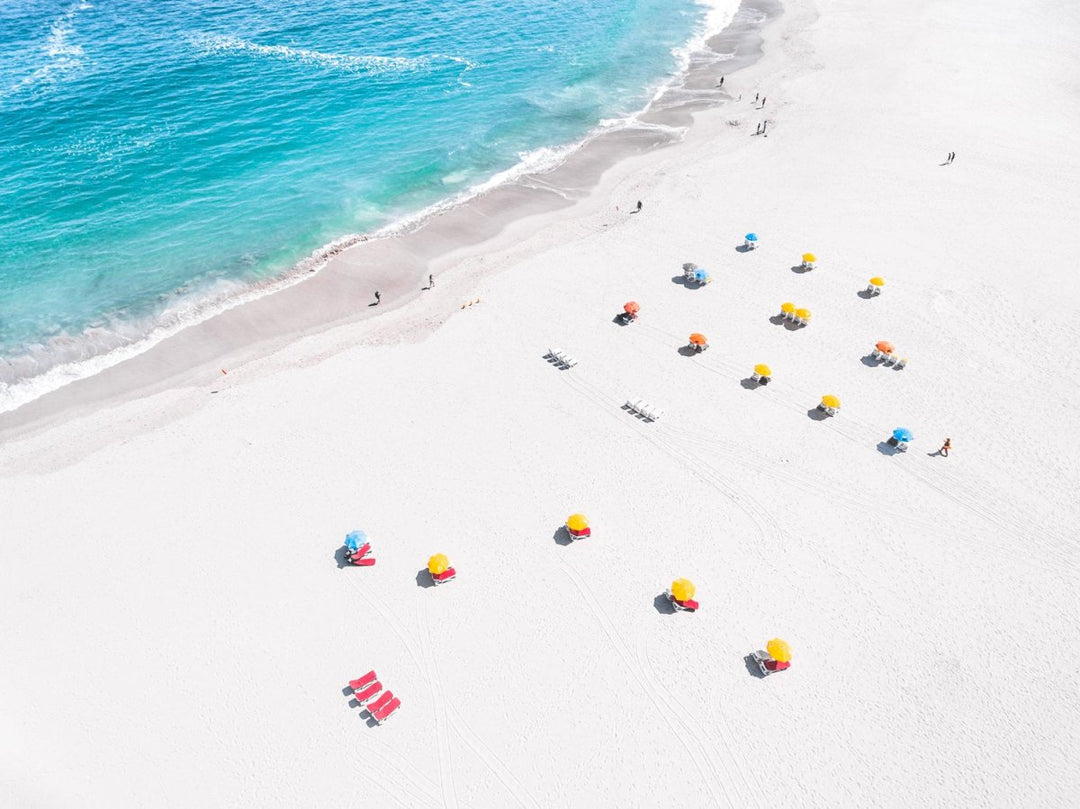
{"x": 763, "y": 102}
{"x": 378, "y": 298}
{"x": 945, "y": 447}
{"x": 638, "y": 209}
{"x": 764, "y": 126}
{"x": 430, "y": 281}
{"x": 721, "y": 81}
{"x": 756, "y": 97}
{"x": 952, "y": 157}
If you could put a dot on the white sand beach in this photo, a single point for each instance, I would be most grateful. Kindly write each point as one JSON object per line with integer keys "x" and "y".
{"x": 177, "y": 630}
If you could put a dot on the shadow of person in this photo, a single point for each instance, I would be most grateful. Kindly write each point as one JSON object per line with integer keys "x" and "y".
{"x": 817, "y": 414}
{"x": 423, "y": 578}
{"x": 562, "y": 536}
{"x": 663, "y": 605}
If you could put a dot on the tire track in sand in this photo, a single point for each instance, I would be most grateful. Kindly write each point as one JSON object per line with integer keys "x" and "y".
{"x": 713, "y": 780}
{"x": 442, "y": 737}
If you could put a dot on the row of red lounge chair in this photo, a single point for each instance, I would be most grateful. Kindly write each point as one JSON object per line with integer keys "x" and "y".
{"x": 364, "y": 690}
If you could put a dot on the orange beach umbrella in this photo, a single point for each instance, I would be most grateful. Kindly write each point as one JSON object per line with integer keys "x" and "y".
{"x": 632, "y": 307}
{"x": 698, "y": 339}
{"x": 885, "y": 347}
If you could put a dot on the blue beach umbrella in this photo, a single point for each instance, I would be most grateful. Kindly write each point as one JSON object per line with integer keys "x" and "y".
{"x": 701, "y": 275}
{"x": 355, "y": 539}
{"x": 903, "y": 434}
{"x": 751, "y": 237}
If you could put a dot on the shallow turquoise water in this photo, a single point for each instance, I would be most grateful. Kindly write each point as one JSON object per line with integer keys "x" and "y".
{"x": 152, "y": 153}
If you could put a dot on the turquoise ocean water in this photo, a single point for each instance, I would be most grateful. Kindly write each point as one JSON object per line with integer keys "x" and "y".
{"x": 157, "y": 158}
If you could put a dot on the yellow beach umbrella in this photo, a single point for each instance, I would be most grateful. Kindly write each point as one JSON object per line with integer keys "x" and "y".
{"x": 830, "y": 401}
{"x": 779, "y": 650}
{"x": 877, "y": 281}
{"x": 762, "y": 370}
{"x": 787, "y": 308}
{"x": 438, "y": 564}
{"x": 682, "y": 589}
{"x": 803, "y": 314}
{"x": 577, "y": 522}
{"x": 809, "y": 258}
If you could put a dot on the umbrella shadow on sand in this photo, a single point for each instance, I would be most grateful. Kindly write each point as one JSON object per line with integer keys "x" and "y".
{"x": 817, "y": 414}
{"x": 423, "y": 578}
{"x": 870, "y": 361}
{"x": 865, "y": 294}
{"x": 800, "y": 269}
{"x": 742, "y": 248}
{"x": 688, "y": 351}
{"x": 663, "y": 605}
{"x": 885, "y": 448}
{"x": 562, "y": 536}
{"x": 750, "y": 384}
{"x": 341, "y": 556}
{"x": 753, "y": 667}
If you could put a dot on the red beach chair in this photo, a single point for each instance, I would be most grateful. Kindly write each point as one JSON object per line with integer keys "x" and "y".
{"x": 444, "y": 577}
{"x": 362, "y": 682}
{"x": 360, "y": 553}
{"x": 683, "y": 606}
{"x": 363, "y": 696}
{"x": 381, "y": 702}
{"x": 584, "y": 533}
{"x": 366, "y": 562}
{"x": 387, "y": 710}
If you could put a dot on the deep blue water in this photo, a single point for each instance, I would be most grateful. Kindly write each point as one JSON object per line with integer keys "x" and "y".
{"x": 153, "y": 154}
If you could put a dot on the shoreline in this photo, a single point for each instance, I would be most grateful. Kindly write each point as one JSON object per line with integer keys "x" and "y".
{"x": 321, "y": 292}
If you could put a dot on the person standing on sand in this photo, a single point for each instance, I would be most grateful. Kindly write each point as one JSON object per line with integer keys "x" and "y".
{"x": 945, "y": 447}
{"x": 378, "y": 298}
{"x": 721, "y": 81}
{"x": 430, "y": 281}
{"x": 763, "y": 102}
{"x": 638, "y": 210}
{"x": 756, "y": 97}
{"x": 758, "y": 128}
